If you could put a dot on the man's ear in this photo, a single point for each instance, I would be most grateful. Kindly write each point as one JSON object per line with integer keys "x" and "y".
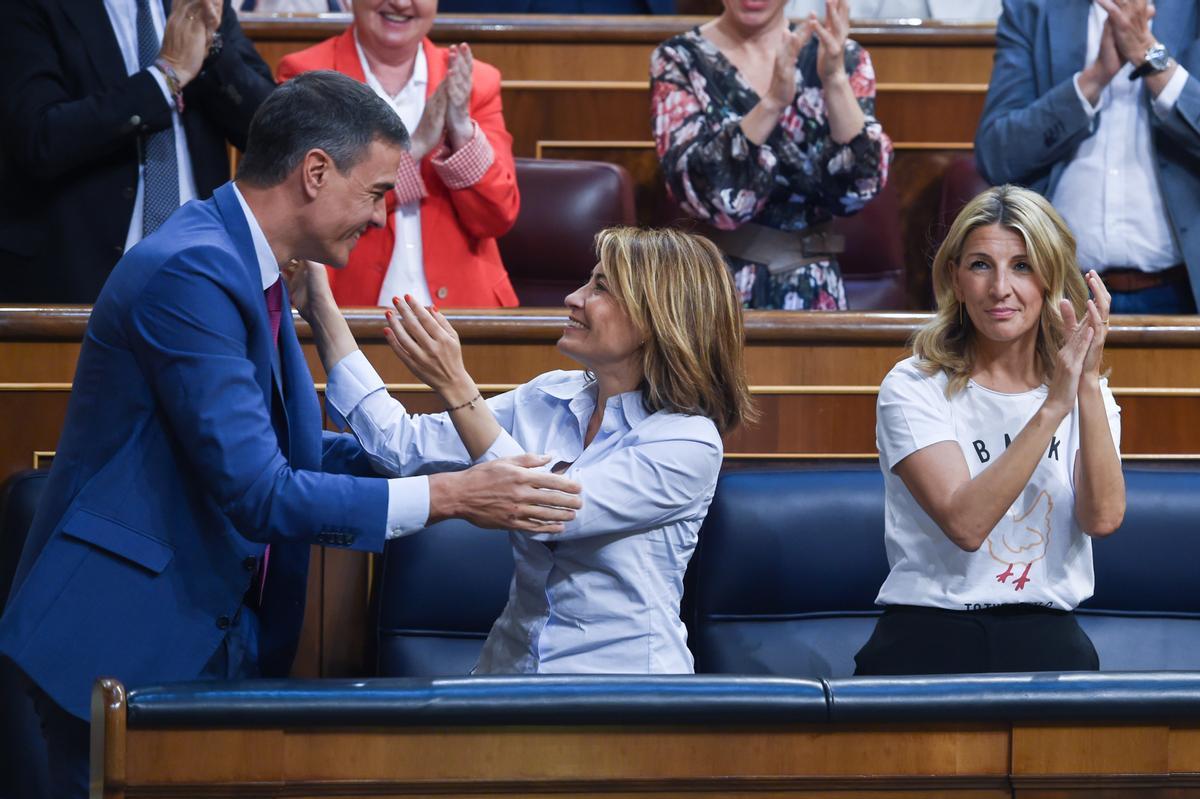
{"x": 316, "y": 170}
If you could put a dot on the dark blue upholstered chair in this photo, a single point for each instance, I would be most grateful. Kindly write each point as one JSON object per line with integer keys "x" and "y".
{"x": 789, "y": 563}
{"x": 438, "y": 592}
{"x": 785, "y": 576}
{"x": 1145, "y": 613}
{"x": 23, "y": 770}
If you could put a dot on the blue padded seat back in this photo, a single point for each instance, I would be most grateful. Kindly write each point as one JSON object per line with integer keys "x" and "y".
{"x": 1145, "y": 613}
{"x": 438, "y": 592}
{"x": 785, "y": 576}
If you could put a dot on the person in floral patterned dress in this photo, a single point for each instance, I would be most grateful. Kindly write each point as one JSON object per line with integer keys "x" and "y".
{"x": 765, "y": 131}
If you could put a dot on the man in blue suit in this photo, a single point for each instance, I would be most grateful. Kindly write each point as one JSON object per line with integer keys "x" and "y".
{"x": 1097, "y": 106}
{"x": 192, "y": 473}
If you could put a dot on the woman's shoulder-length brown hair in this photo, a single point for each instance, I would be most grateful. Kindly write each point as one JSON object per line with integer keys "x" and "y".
{"x": 679, "y": 294}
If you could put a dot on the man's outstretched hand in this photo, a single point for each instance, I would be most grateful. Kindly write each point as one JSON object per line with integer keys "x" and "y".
{"x": 506, "y": 494}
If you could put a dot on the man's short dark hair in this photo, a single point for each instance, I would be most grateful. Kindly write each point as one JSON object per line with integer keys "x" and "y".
{"x": 316, "y": 110}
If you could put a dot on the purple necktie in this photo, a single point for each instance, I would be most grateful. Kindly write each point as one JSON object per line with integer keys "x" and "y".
{"x": 274, "y": 295}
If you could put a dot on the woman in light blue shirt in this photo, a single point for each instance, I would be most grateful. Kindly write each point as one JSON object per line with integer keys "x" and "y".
{"x": 658, "y": 330}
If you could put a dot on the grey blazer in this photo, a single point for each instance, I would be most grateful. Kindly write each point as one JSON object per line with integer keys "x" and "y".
{"x": 1032, "y": 122}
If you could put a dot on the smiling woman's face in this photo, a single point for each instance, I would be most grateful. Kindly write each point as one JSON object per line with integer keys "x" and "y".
{"x": 387, "y": 28}
{"x": 599, "y": 334}
{"x": 997, "y": 286}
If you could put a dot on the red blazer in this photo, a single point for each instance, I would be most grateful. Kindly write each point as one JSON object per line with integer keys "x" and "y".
{"x": 458, "y": 228}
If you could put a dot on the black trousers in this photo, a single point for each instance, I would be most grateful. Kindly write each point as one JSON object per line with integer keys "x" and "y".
{"x": 920, "y": 640}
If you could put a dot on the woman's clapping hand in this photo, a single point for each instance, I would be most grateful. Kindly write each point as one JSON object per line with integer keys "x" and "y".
{"x": 831, "y": 35}
{"x": 428, "y": 345}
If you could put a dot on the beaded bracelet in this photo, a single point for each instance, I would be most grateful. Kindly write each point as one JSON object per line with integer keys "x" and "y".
{"x": 470, "y": 402}
{"x": 173, "y": 84}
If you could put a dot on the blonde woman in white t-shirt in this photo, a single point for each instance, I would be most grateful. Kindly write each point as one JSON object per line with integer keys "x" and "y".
{"x": 999, "y": 444}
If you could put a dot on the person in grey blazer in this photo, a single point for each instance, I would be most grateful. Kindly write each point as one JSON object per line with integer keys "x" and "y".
{"x": 1097, "y": 106}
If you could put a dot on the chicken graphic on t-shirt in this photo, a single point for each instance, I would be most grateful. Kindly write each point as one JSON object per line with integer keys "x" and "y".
{"x": 1021, "y": 539}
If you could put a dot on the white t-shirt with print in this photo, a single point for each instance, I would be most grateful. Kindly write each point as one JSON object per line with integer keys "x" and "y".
{"x": 1037, "y": 554}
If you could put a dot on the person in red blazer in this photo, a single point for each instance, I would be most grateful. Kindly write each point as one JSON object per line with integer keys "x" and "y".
{"x": 461, "y": 166}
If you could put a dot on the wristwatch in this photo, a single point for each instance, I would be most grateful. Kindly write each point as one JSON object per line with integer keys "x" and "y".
{"x": 1157, "y": 59}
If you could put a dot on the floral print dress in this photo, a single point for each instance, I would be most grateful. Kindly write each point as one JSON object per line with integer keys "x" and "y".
{"x": 800, "y": 177}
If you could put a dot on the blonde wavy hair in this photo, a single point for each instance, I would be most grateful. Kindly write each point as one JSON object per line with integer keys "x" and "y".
{"x": 948, "y": 344}
{"x": 680, "y": 296}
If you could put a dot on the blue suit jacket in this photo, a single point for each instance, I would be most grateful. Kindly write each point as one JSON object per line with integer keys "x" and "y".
{"x": 1033, "y": 122}
{"x": 187, "y": 447}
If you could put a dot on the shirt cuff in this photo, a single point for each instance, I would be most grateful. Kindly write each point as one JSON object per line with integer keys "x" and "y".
{"x": 161, "y": 80}
{"x": 1164, "y": 104}
{"x": 410, "y": 188}
{"x": 466, "y": 167}
{"x": 351, "y": 380}
{"x": 1088, "y": 108}
{"x": 504, "y": 446}
{"x": 408, "y": 505}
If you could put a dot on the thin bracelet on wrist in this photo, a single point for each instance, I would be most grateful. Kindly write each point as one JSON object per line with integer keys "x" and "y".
{"x": 174, "y": 86}
{"x": 471, "y": 402}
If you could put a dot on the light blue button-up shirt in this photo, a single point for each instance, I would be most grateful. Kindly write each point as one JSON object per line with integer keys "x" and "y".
{"x": 602, "y": 596}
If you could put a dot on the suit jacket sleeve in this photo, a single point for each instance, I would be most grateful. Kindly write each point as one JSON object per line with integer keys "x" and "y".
{"x": 489, "y": 208}
{"x": 189, "y": 336}
{"x": 47, "y": 130}
{"x": 1182, "y": 125}
{"x": 232, "y": 84}
{"x": 50, "y": 131}
{"x": 342, "y": 454}
{"x": 1022, "y": 135}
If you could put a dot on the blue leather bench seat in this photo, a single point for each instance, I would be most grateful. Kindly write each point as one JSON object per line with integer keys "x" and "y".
{"x": 549, "y": 699}
{"x": 1041, "y": 696}
{"x": 786, "y": 573}
{"x": 661, "y": 700}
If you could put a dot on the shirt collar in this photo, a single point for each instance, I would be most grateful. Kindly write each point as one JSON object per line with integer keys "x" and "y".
{"x": 267, "y": 265}
{"x": 420, "y": 73}
{"x": 580, "y": 385}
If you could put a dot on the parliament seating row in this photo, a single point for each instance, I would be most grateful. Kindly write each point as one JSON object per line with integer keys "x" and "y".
{"x": 564, "y": 203}
{"x": 779, "y": 594}
{"x": 784, "y": 579}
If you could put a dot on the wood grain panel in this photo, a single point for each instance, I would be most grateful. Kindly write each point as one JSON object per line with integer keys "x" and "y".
{"x": 32, "y": 422}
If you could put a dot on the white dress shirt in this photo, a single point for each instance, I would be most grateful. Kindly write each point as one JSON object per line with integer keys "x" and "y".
{"x": 406, "y": 269}
{"x": 123, "y": 16}
{"x": 603, "y": 596}
{"x": 1108, "y": 193}
{"x": 408, "y": 498}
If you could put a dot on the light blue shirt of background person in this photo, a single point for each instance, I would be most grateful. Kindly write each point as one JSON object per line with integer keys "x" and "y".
{"x": 603, "y": 596}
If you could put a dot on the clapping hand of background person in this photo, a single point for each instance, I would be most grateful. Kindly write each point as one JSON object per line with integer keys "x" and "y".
{"x": 846, "y": 118}
{"x": 459, "y": 127}
{"x": 1100, "y": 72}
{"x": 448, "y": 110}
{"x": 762, "y": 119}
{"x": 1130, "y": 21}
{"x": 188, "y": 34}
{"x": 428, "y": 135}
{"x": 831, "y": 35}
